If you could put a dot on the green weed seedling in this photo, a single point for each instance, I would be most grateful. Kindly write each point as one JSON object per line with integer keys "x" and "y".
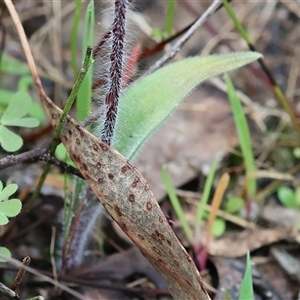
{"x": 167, "y": 31}
{"x": 14, "y": 115}
{"x": 8, "y": 208}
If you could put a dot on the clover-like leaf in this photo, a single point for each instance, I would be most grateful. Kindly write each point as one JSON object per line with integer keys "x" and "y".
{"x": 4, "y": 251}
{"x": 7, "y": 191}
{"x": 18, "y": 107}
{"x": 24, "y": 122}
{"x": 3, "y": 219}
{"x": 9, "y": 141}
{"x": 11, "y": 208}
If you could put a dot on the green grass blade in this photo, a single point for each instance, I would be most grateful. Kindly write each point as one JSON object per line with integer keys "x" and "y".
{"x": 246, "y": 292}
{"x": 243, "y": 132}
{"x": 170, "y": 16}
{"x": 176, "y": 205}
{"x": 206, "y": 192}
{"x": 83, "y": 104}
{"x": 236, "y": 22}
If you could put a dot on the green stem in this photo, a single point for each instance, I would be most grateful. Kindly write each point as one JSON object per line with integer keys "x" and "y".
{"x": 86, "y": 64}
{"x": 170, "y": 16}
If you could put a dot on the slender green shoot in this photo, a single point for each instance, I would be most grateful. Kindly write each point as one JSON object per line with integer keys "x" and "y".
{"x": 170, "y": 17}
{"x": 243, "y": 132}
{"x": 74, "y": 36}
{"x": 205, "y": 195}
{"x": 86, "y": 64}
{"x": 85, "y": 91}
{"x": 176, "y": 205}
{"x": 236, "y": 22}
{"x": 246, "y": 291}
{"x": 276, "y": 89}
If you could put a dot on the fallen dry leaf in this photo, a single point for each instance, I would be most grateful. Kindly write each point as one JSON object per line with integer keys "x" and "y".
{"x": 127, "y": 197}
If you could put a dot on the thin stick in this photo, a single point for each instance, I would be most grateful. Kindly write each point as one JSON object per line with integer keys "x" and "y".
{"x": 177, "y": 46}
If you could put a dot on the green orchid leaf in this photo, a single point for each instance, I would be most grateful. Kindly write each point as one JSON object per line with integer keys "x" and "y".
{"x": 24, "y": 122}
{"x": 3, "y": 219}
{"x": 11, "y": 208}
{"x": 5, "y": 252}
{"x": 1, "y": 186}
{"x": 8, "y": 191}
{"x": 18, "y": 106}
{"x": 148, "y": 102}
{"x": 9, "y": 141}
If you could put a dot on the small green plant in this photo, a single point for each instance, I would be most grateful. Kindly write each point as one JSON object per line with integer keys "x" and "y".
{"x": 246, "y": 291}
{"x": 8, "y": 208}
{"x": 232, "y": 206}
{"x": 243, "y": 132}
{"x": 167, "y": 31}
{"x": 14, "y": 115}
{"x": 288, "y": 197}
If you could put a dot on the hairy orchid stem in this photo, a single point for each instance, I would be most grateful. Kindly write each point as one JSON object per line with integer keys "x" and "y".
{"x": 116, "y": 70}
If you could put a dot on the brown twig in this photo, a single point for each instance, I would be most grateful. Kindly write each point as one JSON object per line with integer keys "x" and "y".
{"x": 26, "y": 261}
{"x": 62, "y": 165}
{"x": 40, "y": 153}
{"x": 12, "y": 160}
